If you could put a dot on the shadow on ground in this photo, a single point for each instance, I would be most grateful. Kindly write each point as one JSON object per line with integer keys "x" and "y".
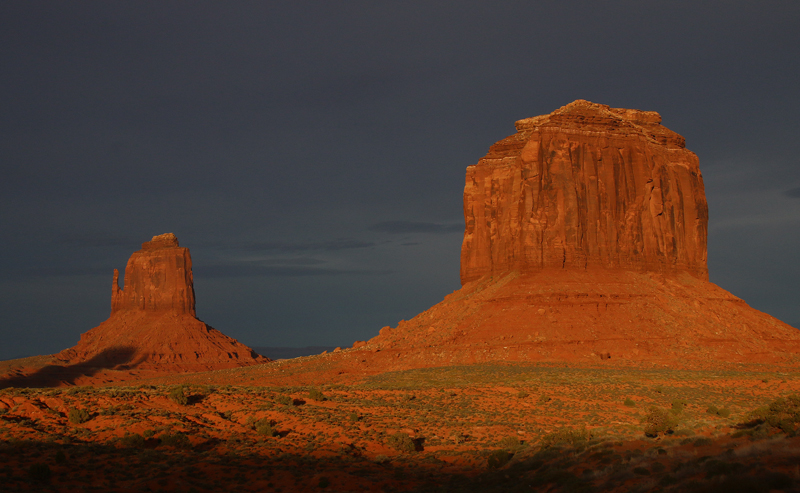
{"x": 54, "y": 375}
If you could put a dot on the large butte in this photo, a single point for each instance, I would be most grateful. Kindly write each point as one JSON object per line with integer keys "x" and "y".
{"x": 585, "y": 242}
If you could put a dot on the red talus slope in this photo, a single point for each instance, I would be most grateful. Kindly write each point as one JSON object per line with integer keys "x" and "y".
{"x": 586, "y": 316}
{"x": 153, "y": 324}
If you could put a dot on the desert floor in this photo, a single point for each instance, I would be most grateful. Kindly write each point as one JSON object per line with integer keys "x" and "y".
{"x": 488, "y": 427}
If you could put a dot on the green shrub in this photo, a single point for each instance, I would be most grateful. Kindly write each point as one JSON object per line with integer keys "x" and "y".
{"x": 658, "y": 420}
{"x": 712, "y": 409}
{"x": 78, "y": 416}
{"x": 401, "y": 442}
{"x": 641, "y": 471}
{"x": 629, "y": 402}
{"x": 285, "y": 400}
{"x": 724, "y": 413}
{"x": 543, "y": 399}
{"x": 782, "y": 413}
{"x": 317, "y": 395}
{"x": 177, "y": 440}
{"x": 498, "y": 459}
{"x": 178, "y": 396}
{"x": 266, "y": 427}
{"x": 678, "y": 406}
{"x": 522, "y": 394}
{"x": 39, "y": 472}
{"x": 565, "y": 436}
{"x": 132, "y": 440}
{"x": 148, "y": 433}
{"x": 511, "y": 444}
{"x": 353, "y": 416}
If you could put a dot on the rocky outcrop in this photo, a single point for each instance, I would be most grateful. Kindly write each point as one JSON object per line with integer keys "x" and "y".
{"x": 153, "y": 323}
{"x": 586, "y": 186}
{"x": 585, "y": 242}
{"x": 158, "y": 278}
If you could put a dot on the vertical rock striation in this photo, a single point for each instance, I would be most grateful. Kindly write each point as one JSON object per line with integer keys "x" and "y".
{"x": 586, "y": 186}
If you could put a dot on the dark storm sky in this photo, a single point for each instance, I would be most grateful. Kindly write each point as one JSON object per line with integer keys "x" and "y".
{"x": 312, "y": 154}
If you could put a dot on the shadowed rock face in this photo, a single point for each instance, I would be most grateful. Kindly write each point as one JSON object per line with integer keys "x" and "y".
{"x": 586, "y": 186}
{"x": 154, "y": 318}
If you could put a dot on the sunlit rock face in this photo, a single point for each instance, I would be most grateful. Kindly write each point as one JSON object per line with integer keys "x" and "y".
{"x": 158, "y": 278}
{"x": 586, "y": 186}
{"x": 153, "y": 323}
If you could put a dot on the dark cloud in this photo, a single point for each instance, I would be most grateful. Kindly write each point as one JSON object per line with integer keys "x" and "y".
{"x": 240, "y": 270}
{"x": 291, "y": 247}
{"x": 56, "y": 271}
{"x": 403, "y": 227}
{"x": 793, "y": 193}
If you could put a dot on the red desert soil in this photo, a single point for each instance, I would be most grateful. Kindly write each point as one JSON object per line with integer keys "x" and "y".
{"x": 460, "y": 428}
{"x": 585, "y": 351}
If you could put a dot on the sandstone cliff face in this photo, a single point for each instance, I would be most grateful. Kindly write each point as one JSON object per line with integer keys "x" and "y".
{"x": 586, "y": 186}
{"x": 158, "y": 278}
{"x": 153, "y": 323}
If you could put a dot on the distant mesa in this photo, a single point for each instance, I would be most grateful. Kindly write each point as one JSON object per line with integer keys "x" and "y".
{"x": 585, "y": 240}
{"x": 153, "y": 322}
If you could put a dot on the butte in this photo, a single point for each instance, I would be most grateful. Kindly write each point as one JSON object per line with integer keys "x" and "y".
{"x": 585, "y": 242}
{"x": 153, "y": 323}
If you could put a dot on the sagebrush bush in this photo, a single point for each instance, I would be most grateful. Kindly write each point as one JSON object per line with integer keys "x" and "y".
{"x": 132, "y": 440}
{"x": 78, "y": 416}
{"x": 782, "y": 413}
{"x": 265, "y": 427}
{"x": 178, "y": 396}
{"x": 510, "y": 443}
{"x": 317, "y": 395}
{"x": 658, "y": 420}
{"x": 565, "y": 436}
{"x": 498, "y": 459}
{"x": 678, "y": 406}
{"x": 629, "y": 402}
{"x": 401, "y": 442}
{"x": 177, "y": 440}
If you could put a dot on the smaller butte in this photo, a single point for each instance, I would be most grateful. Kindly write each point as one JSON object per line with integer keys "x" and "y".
{"x": 153, "y": 323}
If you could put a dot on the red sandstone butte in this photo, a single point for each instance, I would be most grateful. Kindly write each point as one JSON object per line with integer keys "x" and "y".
{"x": 153, "y": 323}
{"x": 585, "y": 241}
{"x": 586, "y": 186}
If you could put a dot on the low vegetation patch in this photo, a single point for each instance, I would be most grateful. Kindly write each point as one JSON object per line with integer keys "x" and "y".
{"x": 658, "y": 420}
{"x": 782, "y": 413}
{"x": 317, "y": 395}
{"x": 266, "y": 427}
{"x": 78, "y": 416}
{"x": 178, "y": 396}
{"x": 401, "y": 442}
{"x": 565, "y": 436}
